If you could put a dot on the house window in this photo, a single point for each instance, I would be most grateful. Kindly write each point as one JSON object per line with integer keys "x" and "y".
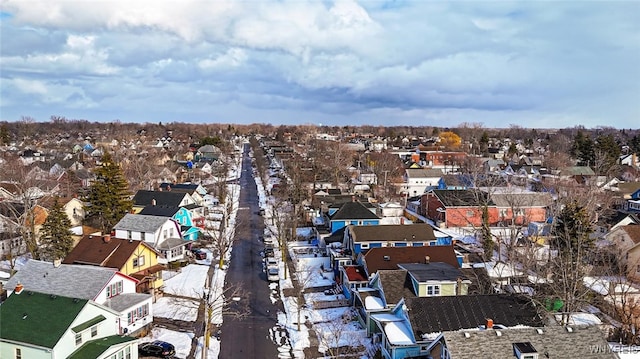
{"x": 138, "y": 261}
{"x": 18, "y": 353}
{"x": 127, "y": 353}
{"x": 364, "y": 246}
{"x": 469, "y": 213}
{"x": 94, "y": 331}
{"x": 78, "y": 338}
{"x": 129, "y": 236}
{"x": 503, "y": 212}
{"x": 433, "y": 290}
{"x": 114, "y": 289}
{"x": 142, "y": 235}
{"x": 165, "y": 233}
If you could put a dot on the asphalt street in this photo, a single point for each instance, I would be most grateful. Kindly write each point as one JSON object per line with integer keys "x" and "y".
{"x": 250, "y": 337}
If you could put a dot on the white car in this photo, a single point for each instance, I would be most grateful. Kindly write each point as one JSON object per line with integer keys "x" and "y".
{"x": 273, "y": 274}
{"x": 271, "y": 262}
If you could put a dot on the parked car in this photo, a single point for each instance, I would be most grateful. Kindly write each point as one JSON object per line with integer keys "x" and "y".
{"x": 273, "y": 274}
{"x": 199, "y": 253}
{"x": 268, "y": 252}
{"x": 157, "y": 348}
{"x": 271, "y": 262}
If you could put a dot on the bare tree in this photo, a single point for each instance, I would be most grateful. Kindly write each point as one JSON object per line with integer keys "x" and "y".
{"x": 335, "y": 336}
{"x": 222, "y": 235}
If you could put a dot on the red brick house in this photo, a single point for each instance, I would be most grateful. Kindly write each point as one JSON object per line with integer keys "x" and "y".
{"x": 458, "y": 208}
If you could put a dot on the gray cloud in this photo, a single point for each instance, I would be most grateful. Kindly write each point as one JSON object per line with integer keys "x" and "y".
{"x": 393, "y": 62}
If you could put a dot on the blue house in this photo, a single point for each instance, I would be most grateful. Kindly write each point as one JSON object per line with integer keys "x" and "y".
{"x": 360, "y": 238}
{"x": 355, "y": 213}
{"x": 415, "y": 324}
{"x": 180, "y": 214}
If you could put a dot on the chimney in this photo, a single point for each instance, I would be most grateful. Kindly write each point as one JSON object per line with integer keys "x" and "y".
{"x": 57, "y": 262}
{"x": 19, "y": 288}
{"x": 489, "y": 323}
{"x": 458, "y": 286}
{"x": 427, "y": 259}
{"x": 106, "y": 238}
{"x": 153, "y": 202}
{"x": 353, "y": 198}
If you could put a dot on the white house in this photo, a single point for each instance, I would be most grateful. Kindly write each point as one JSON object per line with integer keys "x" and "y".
{"x": 38, "y": 325}
{"x": 105, "y": 286}
{"x": 162, "y": 233}
{"x": 418, "y": 180}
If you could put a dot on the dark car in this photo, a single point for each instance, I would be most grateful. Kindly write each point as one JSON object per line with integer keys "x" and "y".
{"x": 199, "y": 253}
{"x": 157, "y": 348}
{"x": 268, "y": 252}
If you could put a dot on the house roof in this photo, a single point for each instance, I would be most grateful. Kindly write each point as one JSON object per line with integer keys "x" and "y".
{"x": 355, "y": 273}
{"x": 161, "y": 211}
{"x": 389, "y": 257}
{"x": 433, "y": 271}
{"x": 95, "y": 348}
{"x": 95, "y": 251}
{"x": 419, "y": 232}
{"x": 424, "y": 172}
{"x": 125, "y": 301}
{"x": 627, "y": 188}
{"x": 162, "y": 198}
{"x": 446, "y": 313}
{"x": 522, "y": 200}
{"x": 633, "y": 230}
{"x": 395, "y": 284}
{"x": 551, "y": 342}
{"x": 181, "y": 187}
{"x": 24, "y": 315}
{"x": 460, "y": 198}
{"x": 78, "y": 281}
{"x": 353, "y": 210}
{"x": 577, "y": 171}
{"x": 140, "y": 223}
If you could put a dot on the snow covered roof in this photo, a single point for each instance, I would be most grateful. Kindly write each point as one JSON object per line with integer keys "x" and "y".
{"x": 373, "y": 303}
{"x": 398, "y": 333}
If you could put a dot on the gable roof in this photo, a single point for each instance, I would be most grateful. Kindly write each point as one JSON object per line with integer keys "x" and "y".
{"x": 424, "y": 173}
{"x": 24, "y": 314}
{"x": 161, "y": 211}
{"x": 556, "y": 341}
{"x": 93, "y": 250}
{"x": 419, "y": 232}
{"x": 140, "y": 223}
{"x": 77, "y": 281}
{"x": 460, "y": 198}
{"x": 633, "y": 231}
{"x": 95, "y": 348}
{"x": 162, "y": 198}
{"x": 395, "y": 285}
{"x": 353, "y": 210}
{"x": 385, "y": 258}
{"x": 446, "y": 313}
{"x": 432, "y": 271}
{"x": 523, "y": 199}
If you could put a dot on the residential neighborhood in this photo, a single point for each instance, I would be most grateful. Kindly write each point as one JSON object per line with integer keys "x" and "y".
{"x": 193, "y": 241}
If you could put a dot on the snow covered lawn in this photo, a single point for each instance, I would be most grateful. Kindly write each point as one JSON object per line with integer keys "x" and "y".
{"x": 176, "y": 308}
{"x": 189, "y": 282}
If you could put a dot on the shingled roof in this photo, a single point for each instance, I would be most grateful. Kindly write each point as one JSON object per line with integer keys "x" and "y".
{"x": 140, "y": 223}
{"x": 37, "y": 318}
{"x": 461, "y": 198}
{"x": 433, "y": 271}
{"x": 77, "y": 281}
{"x": 549, "y": 342}
{"x": 447, "y": 313}
{"x": 93, "y": 250}
{"x": 160, "y": 198}
{"x": 419, "y": 232}
{"x": 395, "y": 285}
{"x": 353, "y": 210}
{"x": 389, "y": 257}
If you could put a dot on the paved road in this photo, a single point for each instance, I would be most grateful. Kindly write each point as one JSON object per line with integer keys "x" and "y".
{"x": 250, "y": 337}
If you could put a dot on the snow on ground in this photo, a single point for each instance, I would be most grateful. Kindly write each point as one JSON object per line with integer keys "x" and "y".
{"x": 213, "y": 351}
{"x": 176, "y": 308}
{"x": 189, "y": 282}
{"x": 181, "y": 341}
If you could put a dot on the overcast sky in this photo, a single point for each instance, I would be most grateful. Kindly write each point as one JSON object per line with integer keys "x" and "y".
{"x": 438, "y": 63}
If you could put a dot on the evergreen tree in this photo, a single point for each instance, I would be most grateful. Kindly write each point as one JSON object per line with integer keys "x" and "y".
{"x": 108, "y": 199}
{"x": 609, "y": 150}
{"x": 56, "y": 241}
{"x": 572, "y": 230}
{"x": 583, "y": 149}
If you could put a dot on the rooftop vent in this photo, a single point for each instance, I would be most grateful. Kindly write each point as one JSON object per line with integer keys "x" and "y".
{"x": 467, "y": 335}
{"x": 386, "y": 258}
{"x": 525, "y": 350}
{"x": 569, "y": 329}
{"x": 539, "y": 330}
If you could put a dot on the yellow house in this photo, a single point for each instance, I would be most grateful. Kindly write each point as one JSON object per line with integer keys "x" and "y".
{"x": 133, "y": 258}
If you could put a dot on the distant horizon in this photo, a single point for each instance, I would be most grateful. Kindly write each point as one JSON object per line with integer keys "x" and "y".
{"x": 337, "y": 62}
